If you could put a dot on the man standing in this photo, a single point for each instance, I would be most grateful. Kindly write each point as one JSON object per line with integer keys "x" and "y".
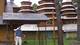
{"x": 18, "y": 35}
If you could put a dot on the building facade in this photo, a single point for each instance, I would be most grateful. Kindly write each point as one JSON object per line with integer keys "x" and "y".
{"x": 47, "y": 7}
{"x": 68, "y": 14}
{"x": 2, "y": 5}
{"x": 16, "y": 16}
{"x": 26, "y": 7}
{"x": 12, "y": 18}
{"x": 69, "y": 17}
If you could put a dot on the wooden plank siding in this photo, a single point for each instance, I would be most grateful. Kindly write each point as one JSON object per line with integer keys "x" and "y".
{"x": 3, "y": 33}
{"x": 2, "y": 5}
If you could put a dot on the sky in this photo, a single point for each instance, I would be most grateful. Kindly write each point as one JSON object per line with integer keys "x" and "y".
{"x": 17, "y": 2}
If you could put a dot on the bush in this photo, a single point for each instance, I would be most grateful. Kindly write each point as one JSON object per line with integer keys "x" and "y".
{"x": 24, "y": 43}
{"x": 71, "y": 38}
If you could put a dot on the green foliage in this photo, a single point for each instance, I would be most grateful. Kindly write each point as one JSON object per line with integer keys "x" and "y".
{"x": 34, "y": 7}
{"x": 39, "y": 42}
{"x": 24, "y": 42}
{"x": 74, "y": 1}
{"x": 47, "y": 42}
{"x": 49, "y": 21}
{"x": 78, "y": 1}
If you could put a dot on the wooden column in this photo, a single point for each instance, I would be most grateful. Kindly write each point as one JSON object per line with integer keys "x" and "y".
{"x": 2, "y": 5}
{"x": 45, "y": 34}
{"x": 54, "y": 34}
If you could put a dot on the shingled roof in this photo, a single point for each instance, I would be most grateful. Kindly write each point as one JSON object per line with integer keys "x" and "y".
{"x": 24, "y": 16}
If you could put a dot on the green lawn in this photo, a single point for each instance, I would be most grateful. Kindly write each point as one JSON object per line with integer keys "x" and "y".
{"x": 46, "y": 42}
{"x": 68, "y": 42}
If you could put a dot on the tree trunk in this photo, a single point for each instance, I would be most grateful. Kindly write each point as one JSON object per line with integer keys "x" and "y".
{"x": 78, "y": 20}
{"x": 59, "y": 22}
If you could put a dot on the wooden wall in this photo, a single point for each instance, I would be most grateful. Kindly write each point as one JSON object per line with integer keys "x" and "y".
{"x": 2, "y": 3}
{"x": 3, "y": 33}
{"x": 6, "y": 36}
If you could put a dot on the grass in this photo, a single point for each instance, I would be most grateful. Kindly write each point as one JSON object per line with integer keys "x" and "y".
{"x": 46, "y": 42}
{"x": 68, "y": 41}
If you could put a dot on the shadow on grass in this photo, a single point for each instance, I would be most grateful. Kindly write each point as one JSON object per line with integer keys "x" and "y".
{"x": 47, "y": 42}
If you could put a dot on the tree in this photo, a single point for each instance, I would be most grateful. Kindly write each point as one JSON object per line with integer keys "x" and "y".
{"x": 34, "y": 7}
{"x": 78, "y": 21}
{"x": 77, "y": 4}
{"x": 59, "y": 23}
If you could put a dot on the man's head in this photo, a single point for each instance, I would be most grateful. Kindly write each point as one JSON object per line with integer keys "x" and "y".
{"x": 19, "y": 28}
